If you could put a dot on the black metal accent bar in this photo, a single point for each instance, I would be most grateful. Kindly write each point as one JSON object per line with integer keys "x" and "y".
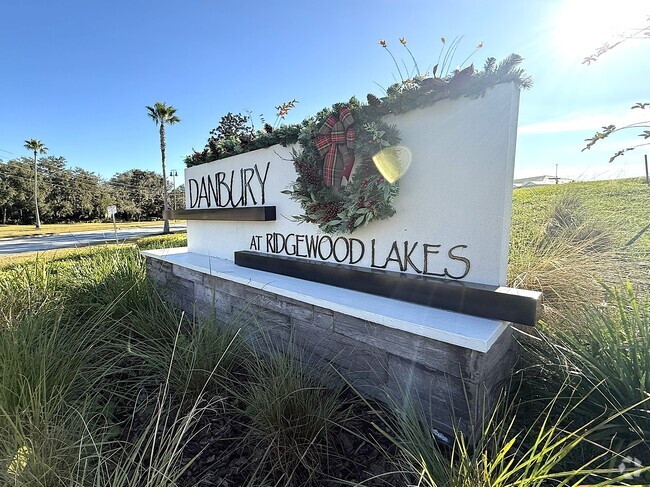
{"x": 494, "y": 302}
{"x": 244, "y": 214}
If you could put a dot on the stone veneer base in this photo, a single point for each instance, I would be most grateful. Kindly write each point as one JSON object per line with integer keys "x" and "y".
{"x": 389, "y": 349}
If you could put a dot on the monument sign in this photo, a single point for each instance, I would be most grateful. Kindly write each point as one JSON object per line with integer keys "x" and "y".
{"x": 389, "y": 272}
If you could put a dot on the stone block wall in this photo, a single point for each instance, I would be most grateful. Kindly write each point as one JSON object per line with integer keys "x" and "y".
{"x": 454, "y": 385}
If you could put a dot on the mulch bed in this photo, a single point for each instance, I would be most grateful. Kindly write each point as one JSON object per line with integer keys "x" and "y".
{"x": 224, "y": 449}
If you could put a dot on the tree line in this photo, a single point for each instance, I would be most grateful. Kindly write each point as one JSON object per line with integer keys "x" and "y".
{"x": 74, "y": 194}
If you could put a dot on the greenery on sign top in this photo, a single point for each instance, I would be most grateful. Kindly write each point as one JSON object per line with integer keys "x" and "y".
{"x": 364, "y": 194}
{"x": 236, "y": 134}
{"x": 417, "y": 92}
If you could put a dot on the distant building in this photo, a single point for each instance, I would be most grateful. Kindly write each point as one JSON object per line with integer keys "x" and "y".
{"x": 539, "y": 181}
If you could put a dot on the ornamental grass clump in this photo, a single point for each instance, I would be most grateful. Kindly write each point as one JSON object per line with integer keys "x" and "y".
{"x": 113, "y": 278}
{"x": 154, "y": 446}
{"x": 565, "y": 256}
{"x": 99, "y": 392}
{"x": 603, "y": 354}
{"x": 28, "y": 290}
{"x": 209, "y": 362}
{"x": 294, "y": 417}
{"x": 513, "y": 447}
{"x": 156, "y": 456}
{"x": 55, "y": 372}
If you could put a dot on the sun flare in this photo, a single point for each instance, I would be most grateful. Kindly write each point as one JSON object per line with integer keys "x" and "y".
{"x": 582, "y": 26}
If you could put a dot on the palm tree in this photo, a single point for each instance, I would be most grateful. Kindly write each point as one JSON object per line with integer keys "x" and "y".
{"x": 37, "y": 147}
{"x": 163, "y": 115}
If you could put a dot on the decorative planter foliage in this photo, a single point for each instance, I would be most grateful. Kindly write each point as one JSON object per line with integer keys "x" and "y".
{"x": 368, "y": 196}
{"x": 411, "y": 94}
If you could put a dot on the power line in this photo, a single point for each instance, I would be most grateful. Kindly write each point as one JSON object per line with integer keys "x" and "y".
{"x": 100, "y": 182}
{"x": 62, "y": 170}
{"x": 31, "y": 180}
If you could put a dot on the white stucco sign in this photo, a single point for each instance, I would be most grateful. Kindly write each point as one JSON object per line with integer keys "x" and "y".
{"x": 452, "y": 215}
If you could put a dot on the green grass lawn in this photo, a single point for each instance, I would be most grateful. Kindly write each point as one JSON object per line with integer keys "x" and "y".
{"x": 28, "y": 230}
{"x": 56, "y": 255}
{"x": 620, "y": 205}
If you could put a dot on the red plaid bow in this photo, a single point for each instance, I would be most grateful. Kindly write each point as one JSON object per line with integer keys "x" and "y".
{"x": 335, "y": 143}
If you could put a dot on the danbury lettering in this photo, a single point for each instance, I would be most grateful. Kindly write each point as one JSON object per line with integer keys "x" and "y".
{"x": 403, "y": 256}
{"x": 243, "y": 187}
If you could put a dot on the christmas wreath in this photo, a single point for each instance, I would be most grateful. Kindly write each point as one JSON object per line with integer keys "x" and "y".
{"x": 338, "y": 186}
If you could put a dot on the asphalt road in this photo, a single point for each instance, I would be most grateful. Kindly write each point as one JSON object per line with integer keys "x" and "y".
{"x": 39, "y": 243}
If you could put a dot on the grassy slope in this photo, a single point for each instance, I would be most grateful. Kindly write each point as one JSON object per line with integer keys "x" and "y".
{"x": 622, "y": 206}
{"x": 597, "y": 221}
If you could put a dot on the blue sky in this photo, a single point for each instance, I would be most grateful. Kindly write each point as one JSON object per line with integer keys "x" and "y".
{"x": 77, "y": 74}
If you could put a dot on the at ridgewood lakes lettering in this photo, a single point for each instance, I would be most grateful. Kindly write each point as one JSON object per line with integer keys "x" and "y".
{"x": 421, "y": 258}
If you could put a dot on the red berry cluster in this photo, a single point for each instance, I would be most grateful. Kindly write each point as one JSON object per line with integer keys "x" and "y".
{"x": 327, "y": 211}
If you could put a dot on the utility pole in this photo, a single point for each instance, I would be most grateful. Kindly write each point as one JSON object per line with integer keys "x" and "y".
{"x": 647, "y": 177}
{"x": 173, "y": 173}
{"x": 557, "y": 180}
